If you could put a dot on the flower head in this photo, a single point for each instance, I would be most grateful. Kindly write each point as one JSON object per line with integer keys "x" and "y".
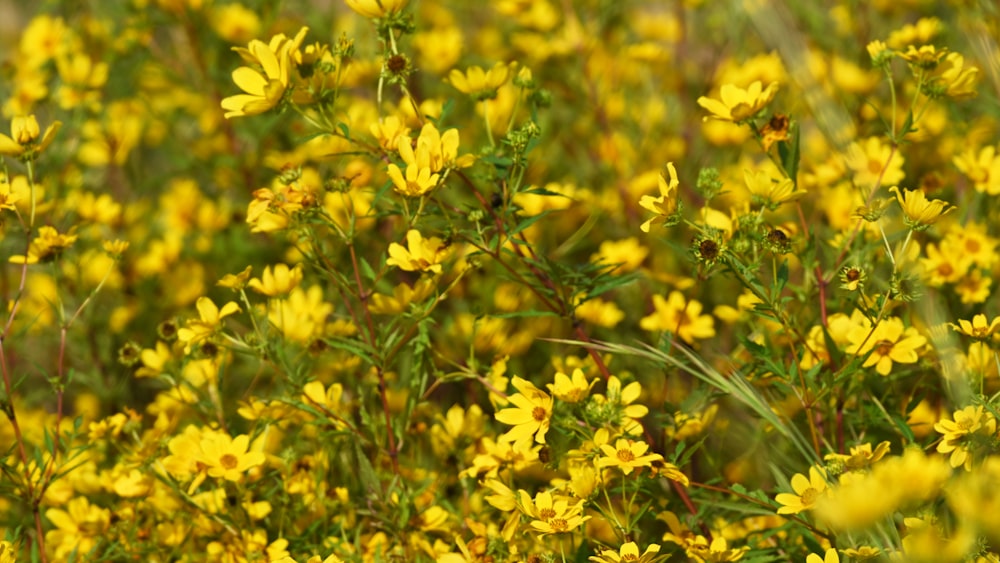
{"x": 627, "y": 552}
{"x": 571, "y": 389}
{"x": 769, "y": 192}
{"x": 807, "y": 491}
{"x": 377, "y": 8}
{"x": 23, "y": 142}
{"x": 919, "y": 212}
{"x": 480, "y": 84}
{"x": 887, "y": 343}
{"x": 665, "y": 205}
{"x": 264, "y": 88}
{"x": 420, "y": 254}
{"x": 627, "y": 455}
{"x": 679, "y": 316}
{"x": 737, "y": 104}
{"x": 47, "y": 245}
{"x": 978, "y": 328}
{"x": 530, "y": 415}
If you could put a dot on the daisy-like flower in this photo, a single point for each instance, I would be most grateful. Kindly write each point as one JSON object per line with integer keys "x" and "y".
{"x": 77, "y": 529}
{"x": 978, "y": 328}
{"x": 571, "y": 389}
{"x": 377, "y": 8}
{"x": 969, "y": 429}
{"x": 263, "y": 88}
{"x": 530, "y": 416}
{"x": 627, "y": 552}
{"x": 627, "y": 455}
{"x": 227, "y": 458}
{"x": 420, "y": 254}
{"x": 277, "y": 281}
{"x": 925, "y": 56}
{"x": 622, "y": 398}
{"x": 208, "y": 321}
{"x": 769, "y": 192}
{"x": 862, "y": 457}
{"x": 478, "y": 83}
{"x": 807, "y": 491}
{"x": 831, "y": 556}
{"x": 665, "y": 205}
{"x": 888, "y": 343}
{"x": 953, "y": 79}
{"x": 919, "y": 212}
{"x": 23, "y": 142}
{"x": 679, "y": 316}
{"x": 552, "y": 514}
{"x": 737, "y": 104}
{"x": 47, "y": 245}
{"x": 718, "y": 551}
{"x": 982, "y": 167}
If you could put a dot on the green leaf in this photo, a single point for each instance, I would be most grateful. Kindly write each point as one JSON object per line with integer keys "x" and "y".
{"x": 529, "y": 222}
{"x": 789, "y": 153}
{"x": 365, "y": 471}
{"x": 342, "y": 127}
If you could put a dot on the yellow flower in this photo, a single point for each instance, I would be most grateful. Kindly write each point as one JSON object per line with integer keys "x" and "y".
{"x": 665, "y": 205}
{"x": 680, "y": 317}
{"x": 863, "y": 553}
{"x": 376, "y": 8}
{"x": 208, "y": 322}
{"x": 926, "y": 56}
{"x": 552, "y": 514}
{"x": 389, "y": 132}
{"x": 423, "y": 255}
{"x": 620, "y": 256}
{"x": 807, "y": 491}
{"x": 953, "y": 79}
{"x": 831, "y": 556}
{"x": 889, "y": 342}
{"x": 24, "y": 131}
{"x": 978, "y": 328}
{"x": 8, "y": 553}
{"x": 718, "y": 551}
{"x": 627, "y": 455}
{"x": 737, "y": 104}
{"x": 879, "y": 52}
{"x": 627, "y": 552}
{"x": 970, "y": 430}
{"x": 480, "y": 84}
{"x": 416, "y": 182}
{"x": 769, "y": 192}
{"x": 530, "y": 416}
{"x": 77, "y": 528}
{"x": 278, "y": 281}
{"x": 235, "y": 282}
{"x": 982, "y": 168}
{"x": 227, "y": 458}
{"x": 919, "y": 212}
{"x": 47, "y": 245}
{"x": 265, "y": 87}
{"x": 571, "y": 389}
{"x": 629, "y": 414}
{"x": 862, "y": 457}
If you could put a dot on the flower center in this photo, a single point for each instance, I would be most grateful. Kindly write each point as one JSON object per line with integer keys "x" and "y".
{"x": 559, "y": 524}
{"x": 546, "y": 514}
{"x": 809, "y": 496}
{"x": 884, "y": 347}
{"x": 229, "y": 461}
{"x": 625, "y": 455}
{"x": 539, "y": 414}
{"x": 965, "y": 423}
